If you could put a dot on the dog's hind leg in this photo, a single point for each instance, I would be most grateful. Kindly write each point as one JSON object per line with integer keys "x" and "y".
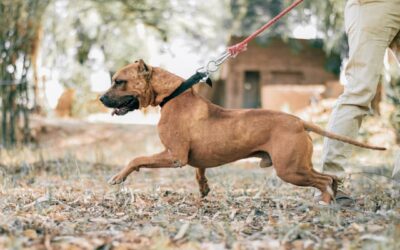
{"x": 303, "y": 176}
{"x": 202, "y": 181}
{"x": 292, "y": 162}
{"x": 331, "y": 187}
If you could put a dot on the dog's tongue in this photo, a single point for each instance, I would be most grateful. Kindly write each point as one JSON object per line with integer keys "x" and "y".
{"x": 120, "y": 111}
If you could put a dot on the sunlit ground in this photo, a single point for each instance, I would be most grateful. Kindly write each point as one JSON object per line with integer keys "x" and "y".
{"x": 57, "y": 196}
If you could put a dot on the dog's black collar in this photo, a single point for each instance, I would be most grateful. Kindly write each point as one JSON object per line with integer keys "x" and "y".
{"x": 194, "y": 79}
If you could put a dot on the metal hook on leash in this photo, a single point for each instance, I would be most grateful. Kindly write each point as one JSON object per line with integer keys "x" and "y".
{"x": 213, "y": 65}
{"x": 234, "y": 50}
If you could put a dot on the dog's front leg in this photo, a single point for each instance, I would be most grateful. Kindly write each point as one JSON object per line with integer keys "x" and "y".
{"x": 202, "y": 181}
{"x": 162, "y": 160}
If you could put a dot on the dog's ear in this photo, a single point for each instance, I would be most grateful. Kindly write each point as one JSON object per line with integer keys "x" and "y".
{"x": 143, "y": 68}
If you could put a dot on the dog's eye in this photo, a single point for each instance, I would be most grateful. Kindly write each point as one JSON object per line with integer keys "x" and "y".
{"x": 119, "y": 82}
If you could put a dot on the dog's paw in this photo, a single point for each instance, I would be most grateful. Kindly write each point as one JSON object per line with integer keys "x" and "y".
{"x": 116, "y": 179}
{"x": 204, "y": 191}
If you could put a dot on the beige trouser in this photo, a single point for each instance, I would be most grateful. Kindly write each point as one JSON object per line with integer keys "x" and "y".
{"x": 371, "y": 25}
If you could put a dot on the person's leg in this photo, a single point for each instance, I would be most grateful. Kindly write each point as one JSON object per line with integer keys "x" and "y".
{"x": 371, "y": 26}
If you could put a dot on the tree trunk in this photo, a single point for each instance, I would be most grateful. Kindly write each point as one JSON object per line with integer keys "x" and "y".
{"x": 34, "y": 57}
{"x": 20, "y": 36}
{"x": 4, "y": 115}
{"x": 12, "y": 113}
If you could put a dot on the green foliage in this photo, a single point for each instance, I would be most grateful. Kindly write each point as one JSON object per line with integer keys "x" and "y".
{"x": 126, "y": 30}
{"x": 76, "y": 32}
{"x": 19, "y": 26}
{"x": 73, "y": 31}
{"x": 123, "y": 31}
{"x": 330, "y": 22}
{"x": 249, "y": 15}
{"x": 152, "y": 13}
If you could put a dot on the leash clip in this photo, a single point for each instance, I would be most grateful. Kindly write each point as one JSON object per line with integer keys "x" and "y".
{"x": 213, "y": 65}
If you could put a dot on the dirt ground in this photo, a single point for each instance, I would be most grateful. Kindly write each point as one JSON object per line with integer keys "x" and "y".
{"x": 56, "y": 197}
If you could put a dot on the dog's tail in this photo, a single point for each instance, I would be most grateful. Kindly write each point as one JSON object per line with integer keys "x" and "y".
{"x": 314, "y": 128}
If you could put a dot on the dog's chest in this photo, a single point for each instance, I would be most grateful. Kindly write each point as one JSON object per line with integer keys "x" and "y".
{"x": 214, "y": 143}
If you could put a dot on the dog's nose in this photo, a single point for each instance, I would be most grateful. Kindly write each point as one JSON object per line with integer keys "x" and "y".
{"x": 103, "y": 98}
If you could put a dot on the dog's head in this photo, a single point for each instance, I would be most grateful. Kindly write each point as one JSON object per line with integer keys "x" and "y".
{"x": 130, "y": 89}
{"x": 139, "y": 85}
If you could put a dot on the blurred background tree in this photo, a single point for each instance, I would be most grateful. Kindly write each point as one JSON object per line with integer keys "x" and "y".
{"x": 105, "y": 35}
{"x": 326, "y": 16}
{"x": 124, "y": 30}
{"x": 69, "y": 40}
{"x": 20, "y": 24}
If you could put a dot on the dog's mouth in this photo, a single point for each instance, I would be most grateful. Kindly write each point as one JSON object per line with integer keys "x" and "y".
{"x": 121, "y": 105}
{"x": 130, "y": 104}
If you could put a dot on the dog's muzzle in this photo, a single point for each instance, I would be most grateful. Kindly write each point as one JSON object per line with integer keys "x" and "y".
{"x": 121, "y": 105}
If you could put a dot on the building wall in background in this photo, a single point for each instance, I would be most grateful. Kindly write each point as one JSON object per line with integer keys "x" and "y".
{"x": 276, "y": 75}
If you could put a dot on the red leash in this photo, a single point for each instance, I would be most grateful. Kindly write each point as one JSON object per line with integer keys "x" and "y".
{"x": 234, "y": 50}
{"x": 237, "y": 48}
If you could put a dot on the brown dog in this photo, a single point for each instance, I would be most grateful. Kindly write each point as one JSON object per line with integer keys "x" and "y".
{"x": 196, "y": 132}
